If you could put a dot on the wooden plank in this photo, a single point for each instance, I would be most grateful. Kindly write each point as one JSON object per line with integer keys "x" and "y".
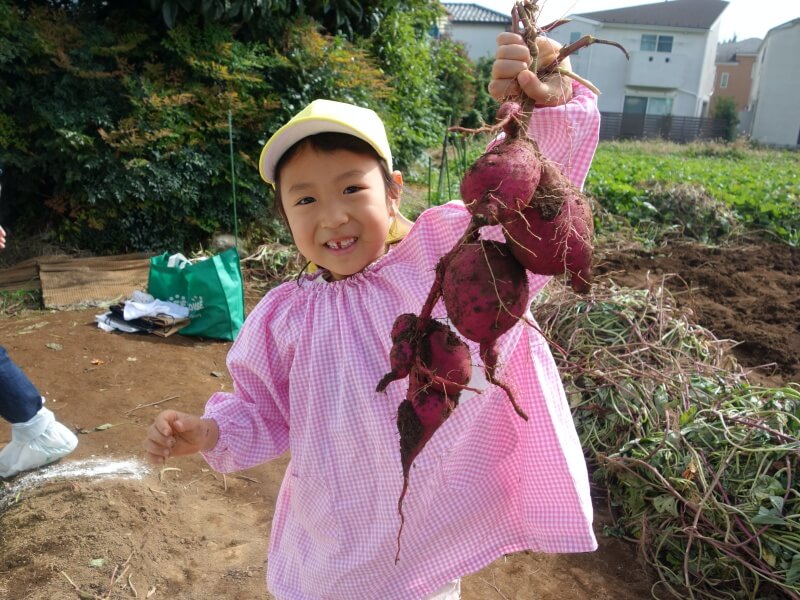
{"x": 22, "y": 276}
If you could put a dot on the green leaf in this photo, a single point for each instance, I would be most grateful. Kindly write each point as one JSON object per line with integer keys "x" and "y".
{"x": 777, "y": 502}
{"x": 768, "y": 516}
{"x": 666, "y": 503}
{"x": 793, "y": 574}
{"x": 687, "y": 416}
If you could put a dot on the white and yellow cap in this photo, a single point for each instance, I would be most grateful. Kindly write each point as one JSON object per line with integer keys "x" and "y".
{"x": 323, "y": 116}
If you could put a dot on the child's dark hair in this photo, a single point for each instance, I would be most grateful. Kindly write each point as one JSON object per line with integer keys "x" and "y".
{"x": 329, "y": 142}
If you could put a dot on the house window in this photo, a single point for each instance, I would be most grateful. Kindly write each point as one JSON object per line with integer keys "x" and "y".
{"x": 574, "y": 36}
{"x": 635, "y": 105}
{"x": 655, "y": 43}
{"x": 723, "y": 80}
{"x": 664, "y": 43}
{"x": 641, "y": 105}
{"x": 659, "y": 106}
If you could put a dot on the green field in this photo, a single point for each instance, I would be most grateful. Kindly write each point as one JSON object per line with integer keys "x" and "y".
{"x": 702, "y": 190}
{"x": 760, "y": 186}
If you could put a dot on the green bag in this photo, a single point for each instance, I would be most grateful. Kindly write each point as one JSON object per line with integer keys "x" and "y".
{"x": 212, "y": 289}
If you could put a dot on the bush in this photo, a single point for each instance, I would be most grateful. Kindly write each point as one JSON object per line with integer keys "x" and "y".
{"x": 114, "y": 128}
{"x": 725, "y": 108}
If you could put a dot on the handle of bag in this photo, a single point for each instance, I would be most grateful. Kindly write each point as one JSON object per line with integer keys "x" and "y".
{"x": 233, "y": 182}
{"x": 178, "y": 260}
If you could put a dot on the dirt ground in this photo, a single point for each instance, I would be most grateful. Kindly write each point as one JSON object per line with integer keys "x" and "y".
{"x": 186, "y": 532}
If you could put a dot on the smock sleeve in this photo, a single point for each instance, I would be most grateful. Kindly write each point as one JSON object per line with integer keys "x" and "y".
{"x": 568, "y": 134}
{"x": 253, "y": 419}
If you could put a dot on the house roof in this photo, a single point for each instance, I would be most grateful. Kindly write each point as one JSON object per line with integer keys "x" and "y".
{"x": 688, "y": 14}
{"x": 727, "y": 52}
{"x": 462, "y": 12}
{"x": 787, "y": 25}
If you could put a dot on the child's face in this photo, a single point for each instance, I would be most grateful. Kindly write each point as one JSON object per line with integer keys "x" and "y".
{"x": 337, "y": 208}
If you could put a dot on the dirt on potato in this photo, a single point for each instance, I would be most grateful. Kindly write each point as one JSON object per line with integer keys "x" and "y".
{"x": 186, "y": 532}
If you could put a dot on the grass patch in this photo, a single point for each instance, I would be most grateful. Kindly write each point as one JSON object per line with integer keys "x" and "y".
{"x": 15, "y": 302}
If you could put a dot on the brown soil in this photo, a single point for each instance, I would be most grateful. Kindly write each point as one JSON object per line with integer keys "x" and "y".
{"x": 749, "y": 293}
{"x": 187, "y": 532}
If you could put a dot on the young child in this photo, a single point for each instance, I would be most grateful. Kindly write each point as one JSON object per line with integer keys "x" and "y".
{"x": 309, "y": 356}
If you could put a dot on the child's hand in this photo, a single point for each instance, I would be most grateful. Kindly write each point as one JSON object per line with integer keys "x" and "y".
{"x": 510, "y": 72}
{"x": 175, "y": 433}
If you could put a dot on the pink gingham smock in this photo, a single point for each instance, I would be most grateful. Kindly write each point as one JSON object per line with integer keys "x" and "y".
{"x": 305, "y": 367}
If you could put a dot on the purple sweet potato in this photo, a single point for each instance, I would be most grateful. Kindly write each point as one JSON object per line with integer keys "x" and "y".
{"x": 444, "y": 359}
{"x": 418, "y": 417}
{"x": 501, "y": 182}
{"x": 485, "y": 291}
{"x": 554, "y": 233}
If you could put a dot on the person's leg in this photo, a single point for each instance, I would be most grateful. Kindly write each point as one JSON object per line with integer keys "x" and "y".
{"x": 37, "y": 438}
{"x": 19, "y": 398}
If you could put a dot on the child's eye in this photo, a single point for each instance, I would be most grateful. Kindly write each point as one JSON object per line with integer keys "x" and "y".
{"x": 352, "y": 189}
{"x": 304, "y": 200}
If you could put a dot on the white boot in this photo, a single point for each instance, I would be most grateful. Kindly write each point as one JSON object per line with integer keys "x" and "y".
{"x": 35, "y": 443}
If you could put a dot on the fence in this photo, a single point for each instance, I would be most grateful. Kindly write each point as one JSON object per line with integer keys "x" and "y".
{"x": 614, "y": 126}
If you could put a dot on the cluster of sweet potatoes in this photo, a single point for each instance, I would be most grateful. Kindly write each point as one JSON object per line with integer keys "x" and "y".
{"x": 483, "y": 283}
{"x": 548, "y": 229}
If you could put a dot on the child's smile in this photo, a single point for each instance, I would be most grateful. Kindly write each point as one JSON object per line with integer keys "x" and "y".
{"x": 337, "y": 208}
{"x": 343, "y": 244}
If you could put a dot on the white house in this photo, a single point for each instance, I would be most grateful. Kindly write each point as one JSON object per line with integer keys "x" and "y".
{"x": 475, "y": 27}
{"x": 777, "y": 87}
{"x": 672, "y": 48}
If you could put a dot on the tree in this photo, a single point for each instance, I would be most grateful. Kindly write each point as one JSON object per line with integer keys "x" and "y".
{"x": 725, "y": 108}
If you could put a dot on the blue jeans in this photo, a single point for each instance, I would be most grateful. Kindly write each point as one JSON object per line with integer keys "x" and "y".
{"x": 19, "y": 398}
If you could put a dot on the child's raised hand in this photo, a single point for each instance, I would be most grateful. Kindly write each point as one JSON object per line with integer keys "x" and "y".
{"x": 510, "y": 72}
{"x": 175, "y": 433}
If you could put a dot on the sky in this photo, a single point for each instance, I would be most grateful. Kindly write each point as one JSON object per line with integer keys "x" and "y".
{"x": 744, "y": 18}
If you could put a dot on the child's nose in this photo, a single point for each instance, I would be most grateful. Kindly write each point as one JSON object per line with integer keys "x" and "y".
{"x": 334, "y": 216}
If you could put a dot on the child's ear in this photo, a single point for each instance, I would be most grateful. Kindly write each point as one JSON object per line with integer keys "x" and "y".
{"x": 396, "y": 192}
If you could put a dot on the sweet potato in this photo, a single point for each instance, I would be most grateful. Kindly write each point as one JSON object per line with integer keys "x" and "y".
{"x": 440, "y": 357}
{"x": 548, "y": 228}
{"x": 444, "y": 359}
{"x": 501, "y": 182}
{"x": 404, "y": 326}
{"x": 418, "y": 417}
{"x": 553, "y": 234}
{"x": 401, "y": 359}
{"x": 485, "y": 291}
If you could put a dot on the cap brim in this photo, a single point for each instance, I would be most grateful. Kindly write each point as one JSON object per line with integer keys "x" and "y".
{"x": 298, "y": 129}
{"x": 287, "y": 136}
{"x": 399, "y": 229}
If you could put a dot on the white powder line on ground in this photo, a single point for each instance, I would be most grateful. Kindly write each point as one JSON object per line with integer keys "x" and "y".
{"x": 87, "y": 469}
